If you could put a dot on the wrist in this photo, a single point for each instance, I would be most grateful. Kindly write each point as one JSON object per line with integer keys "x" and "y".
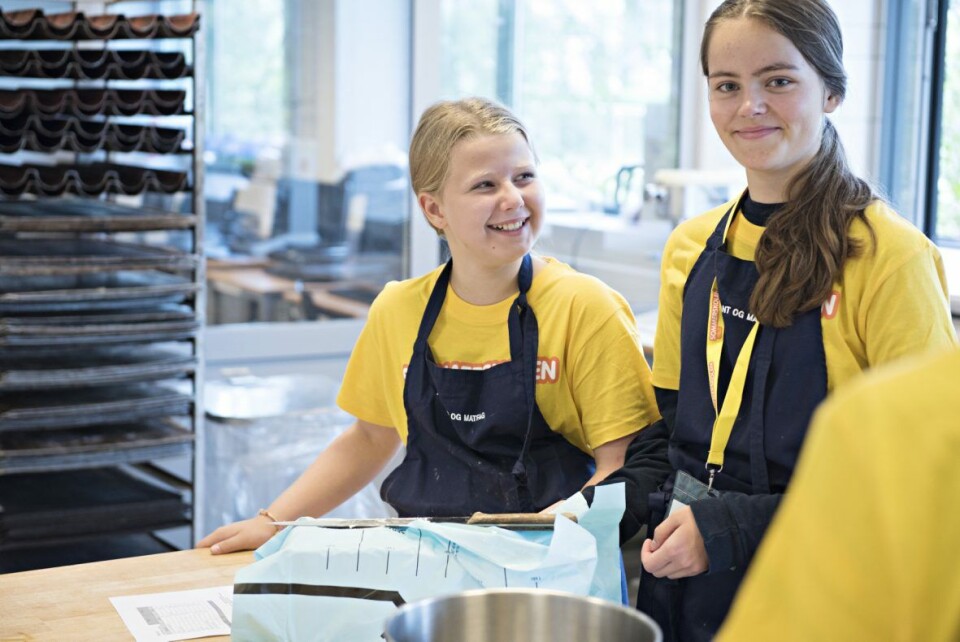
{"x": 263, "y": 512}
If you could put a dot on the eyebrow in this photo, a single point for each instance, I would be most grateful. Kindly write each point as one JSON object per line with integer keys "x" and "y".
{"x": 777, "y": 66}
{"x": 483, "y": 175}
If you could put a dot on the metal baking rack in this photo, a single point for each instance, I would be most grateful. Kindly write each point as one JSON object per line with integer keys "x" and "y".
{"x": 101, "y": 278}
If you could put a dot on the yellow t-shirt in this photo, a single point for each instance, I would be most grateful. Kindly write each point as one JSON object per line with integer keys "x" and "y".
{"x": 892, "y": 299}
{"x": 866, "y": 545}
{"x": 593, "y": 384}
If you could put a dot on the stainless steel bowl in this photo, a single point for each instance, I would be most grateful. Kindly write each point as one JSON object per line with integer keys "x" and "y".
{"x": 501, "y": 615}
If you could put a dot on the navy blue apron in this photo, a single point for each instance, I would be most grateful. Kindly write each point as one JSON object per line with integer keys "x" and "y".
{"x": 786, "y": 380}
{"x": 476, "y": 440}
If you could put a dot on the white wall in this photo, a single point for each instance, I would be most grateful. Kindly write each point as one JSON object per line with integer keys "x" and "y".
{"x": 352, "y": 95}
{"x": 423, "y": 247}
{"x": 372, "y": 79}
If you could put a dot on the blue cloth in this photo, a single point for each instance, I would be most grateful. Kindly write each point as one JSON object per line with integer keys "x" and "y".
{"x": 341, "y": 584}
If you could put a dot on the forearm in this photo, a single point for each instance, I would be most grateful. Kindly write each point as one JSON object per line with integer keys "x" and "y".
{"x": 732, "y": 527}
{"x": 340, "y": 471}
{"x": 609, "y": 457}
{"x": 645, "y": 469}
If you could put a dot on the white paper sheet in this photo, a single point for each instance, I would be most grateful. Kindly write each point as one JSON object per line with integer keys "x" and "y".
{"x": 179, "y": 615}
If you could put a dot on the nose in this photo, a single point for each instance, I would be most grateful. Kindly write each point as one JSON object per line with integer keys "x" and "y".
{"x": 512, "y": 197}
{"x": 753, "y": 103}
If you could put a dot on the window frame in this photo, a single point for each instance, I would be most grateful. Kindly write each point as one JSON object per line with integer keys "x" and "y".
{"x": 935, "y": 123}
{"x": 930, "y": 20}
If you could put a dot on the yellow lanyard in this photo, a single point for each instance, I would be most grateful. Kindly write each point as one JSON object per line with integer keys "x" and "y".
{"x": 726, "y": 415}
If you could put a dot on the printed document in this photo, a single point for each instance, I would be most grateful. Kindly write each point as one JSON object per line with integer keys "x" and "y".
{"x": 180, "y": 615}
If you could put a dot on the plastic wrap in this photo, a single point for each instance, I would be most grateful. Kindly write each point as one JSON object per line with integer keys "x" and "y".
{"x": 261, "y": 434}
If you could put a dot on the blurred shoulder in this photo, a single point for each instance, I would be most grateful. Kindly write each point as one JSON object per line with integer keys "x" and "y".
{"x": 897, "y": 389}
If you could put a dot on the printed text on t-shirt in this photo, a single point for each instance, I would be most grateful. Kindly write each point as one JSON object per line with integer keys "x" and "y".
{"x": 548, "y": 368}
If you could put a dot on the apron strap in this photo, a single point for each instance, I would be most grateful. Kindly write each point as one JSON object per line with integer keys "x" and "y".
{"x": 434, "y": 304}
{"x": 522, "y": 315}
{"x": 758, "y": 458}
{"x": 517, "y": 311}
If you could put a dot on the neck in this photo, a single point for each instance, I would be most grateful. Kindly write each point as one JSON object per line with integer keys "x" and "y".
{"x": 484, "y": 285}
{"x": 766, "y": 188}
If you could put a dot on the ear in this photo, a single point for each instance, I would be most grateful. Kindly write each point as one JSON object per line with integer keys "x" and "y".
{"x": 831, "y": 103}
{"x": 433, "y": 210}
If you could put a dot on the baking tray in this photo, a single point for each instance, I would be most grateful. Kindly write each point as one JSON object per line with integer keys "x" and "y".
{"x": 85, "y": 103}
{"x": 91, "y": 447}
{"x": 35, "y": 132}
{"x": 71, "y": 408}
{"x": 87, "y": 180}
{"x": 164, "y": 323}
{"x": 94, "y": 64}
{"x": 59, "y": 505}
{"x": 89, "y": 292}
{"x": 53, "y": 369}
{"x": 79, "y": 215}
{"x": 28, "y": 257}
{"x": 34, "y": 24}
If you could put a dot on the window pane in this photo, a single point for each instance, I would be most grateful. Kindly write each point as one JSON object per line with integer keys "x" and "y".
{"x": 597, "y": 84}
{"x": 597, "y": 87}
{"x": 903, "y": 145}
{"x": 948, "y": 183}
{"x": 469, "y": 42}
{"x": 307, "y": 192}
{"x": 235, "y": 113}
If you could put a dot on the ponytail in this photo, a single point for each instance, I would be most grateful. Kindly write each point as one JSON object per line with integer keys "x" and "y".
{"x": 801, "y": 254}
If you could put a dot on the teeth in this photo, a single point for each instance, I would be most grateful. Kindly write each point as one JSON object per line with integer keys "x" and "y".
{"x": 510, "y": 227}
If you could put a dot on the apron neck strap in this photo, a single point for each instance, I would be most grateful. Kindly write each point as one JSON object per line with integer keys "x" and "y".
{"x": 524, "y": 343}
{"x": 719, "y": 236}
{"x": 518, "y": 310}
{"x": 434, "y": 304}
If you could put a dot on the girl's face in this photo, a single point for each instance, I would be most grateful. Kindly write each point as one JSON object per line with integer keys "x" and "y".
{"x": 490, "y": 207}
{"x": 766, "y": 102}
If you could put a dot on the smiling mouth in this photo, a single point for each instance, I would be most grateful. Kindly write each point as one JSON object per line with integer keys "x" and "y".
{"x": 509, "y": 227}
{"x": 756, "y": 133}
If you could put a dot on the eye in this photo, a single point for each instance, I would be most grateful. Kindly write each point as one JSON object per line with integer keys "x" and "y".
{"x": 726, "y": 87}
{"x": 525, "y": 177}
{"x": 482, "y": 185}
{"x": 780, "y": 83}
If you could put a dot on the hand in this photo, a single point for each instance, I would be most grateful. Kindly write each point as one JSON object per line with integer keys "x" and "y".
{"x": 676, "y": 549}
{"x": 552, "y": 508}
{"x": 239, "y": 536}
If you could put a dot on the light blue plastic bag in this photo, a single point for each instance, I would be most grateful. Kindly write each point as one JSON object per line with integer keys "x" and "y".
{"x": 312, "y": 583}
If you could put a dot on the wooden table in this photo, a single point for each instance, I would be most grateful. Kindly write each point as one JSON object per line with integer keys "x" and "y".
{"x": 326, "y": 300}
{"x": 260, "y": 293}
{"x": 72, "y": 602}
{"x": 254, "y": 291}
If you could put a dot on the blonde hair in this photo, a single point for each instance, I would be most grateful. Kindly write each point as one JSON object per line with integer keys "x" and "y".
{"x": 802, "y": 252}
{"x": 446, "y": 123}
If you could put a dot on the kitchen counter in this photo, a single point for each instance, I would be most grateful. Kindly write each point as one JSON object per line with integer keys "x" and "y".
{"x": 72, "y": 602}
